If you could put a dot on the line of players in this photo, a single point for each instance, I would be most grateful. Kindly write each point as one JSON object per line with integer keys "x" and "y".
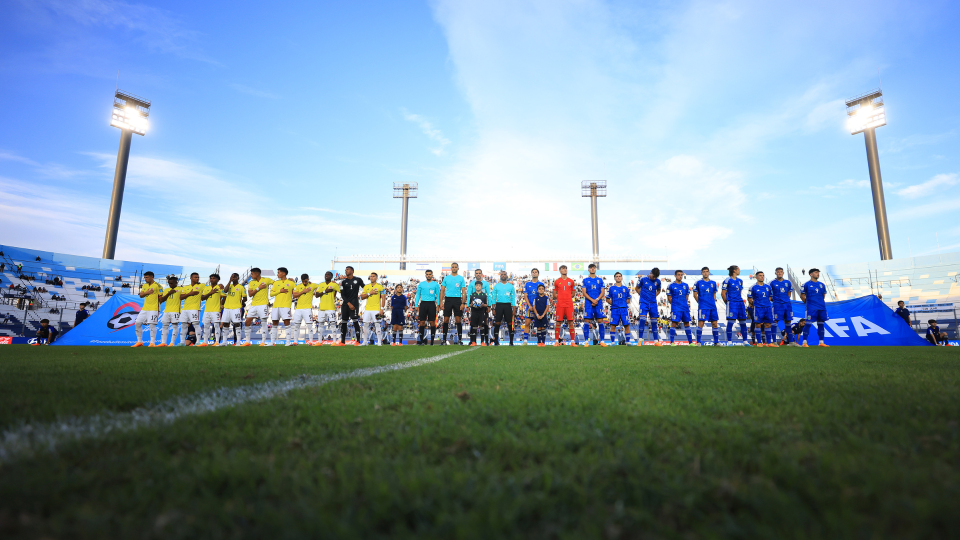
{"x": 770, "y": 303}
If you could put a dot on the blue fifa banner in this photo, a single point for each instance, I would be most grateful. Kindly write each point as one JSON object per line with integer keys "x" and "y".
{"x": 862, "y": 322}
{"x": 473, "y": 266}
{"x": 111, "y": 324}
{"x": 497, "y": 266}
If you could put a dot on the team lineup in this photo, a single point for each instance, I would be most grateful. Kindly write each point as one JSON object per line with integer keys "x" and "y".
{"x": 488, "y": 310}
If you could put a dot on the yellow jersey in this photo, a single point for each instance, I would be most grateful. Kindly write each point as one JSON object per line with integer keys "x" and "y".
{"x": 151, "y": 302}
{"x": 213, "y": 301}
{"x": 328, "y": 302}
{"x": 282, "y": 299}
{"x": 305, "y": 300}
{"x": 373, "y": 301}
{"x": 172, "y": 304}
{"x": 259, "y": 298}
{"x": 235, "y": 295}
{"x": 192, "y": 303}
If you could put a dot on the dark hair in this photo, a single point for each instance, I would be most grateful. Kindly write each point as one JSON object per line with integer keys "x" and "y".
{"x": 812, "y": 270}
{"x": 778, "y": 268}
{"x": 454, "y": 263}
{"x": 617, "y": 274}
{"x": 563, "y": 266}
{"x": 216, "y": 276}
{"x": 758, "y": 272}
{"x": 148, "y": 273}
{"x": 235, "y": 274}
{"x": 283, "y": 269}
{"x": 900, "y": 301}
{"x": 45, "y": 321}
{"x": 375, "y": 274}
{"x": 534, "y": 268}
{"x": 304, "y": 276}
{"x": 328, "y": 272}
{"x": 541, "y": 287}
{"x": 478, "y": 283}
{"x": 172, "y": 278}
{"x": 350, "y": 267}
{"x": 931, "y": 321}
{"x": 731, "y": 268}
{"x": 195, "y": 274}
{"x": 677, "y": 272}
{"x": 257, "y": 270}
{"x": 705, "y": 268}
{"x": 655, "y": 272}
{"x": 591, "y": 265}
{"x": 428, "y": 270}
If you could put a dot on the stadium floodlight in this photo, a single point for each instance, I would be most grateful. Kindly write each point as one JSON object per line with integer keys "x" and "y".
{"x": 405, "y": 191}
{"x": 594, "y": 189}
{"x": 130, "y": 114}
{"x": 865, "y": 113}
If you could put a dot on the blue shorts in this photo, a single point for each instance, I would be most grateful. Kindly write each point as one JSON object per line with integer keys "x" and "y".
{"x": 648, "y": 310}
{"x": 737, "y": 310}
{"x": 763, "y": 315}
{"x": 591, "y": 311}
{"x": 396, "y": 317}
{"x": 708, "y": 315}
{"x": 817, "y": 315}
{"x": 619, "y": 316}
{"x": 541, "y": 323}
{"x": 783, "y": 313}
{"x": 680, "y": 316}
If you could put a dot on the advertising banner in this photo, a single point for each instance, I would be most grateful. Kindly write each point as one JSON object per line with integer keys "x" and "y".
{"x": 111, "y": 324}
{"x": 861, "y": 322}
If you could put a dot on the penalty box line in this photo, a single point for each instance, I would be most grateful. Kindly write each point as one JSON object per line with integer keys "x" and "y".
{"x": 27, "y": 439}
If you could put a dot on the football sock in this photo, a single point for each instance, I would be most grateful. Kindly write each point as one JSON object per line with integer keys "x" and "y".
{"x": 138, "y": 328}
{"x": 716, "y": 335}
{"x": 423, "y": 331}
{"x": 757, "y": 338}
{"x": 641, "y": 329}
{"x": 573, "y": 333}
{"x": 343, "y": 332}
{"x": 433, "y": 334}
{"x": 379, "y": 333}
{"x": 511, "y": 334}
{"x": 473, "y": 335}
{"x": 769, "y": 332}
{"x": 655, "y": 328}
{"x": 183, "y": 332}
{"x": 673, "y": 334}
{"x": 821, "y": 330}
{"x": 744, "y": 332}
{"x": 788, "y": 332}
{"x": 164, "y": 331}
{"x": 730, "y": 330}
{"x": 699, "y": 335}
{"x": 603, "y": 331}
{"x": 153, "y": 333}
{"x": 689, "y": 334}
{"x": 217, "y": 333}
{"x": 496, "y": 333}
{"x": 356, "y": 327}
{"x": 445, "y": 328}
{"x": 556, "y": 331}
{"x": 274, "y": 332}
{"x": 459, "y": 331}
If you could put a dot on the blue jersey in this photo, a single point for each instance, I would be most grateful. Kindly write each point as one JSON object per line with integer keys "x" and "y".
{"x": 453, "y": 286}
{"x": 541, "y": 303}
{"x": 781, "y": 291}
{"x": 530, "y": 289}
{"x": 706, "y": 290}
{"x": 734, "y": 288}
{"x": 762, "y": 296}
{"x": 678, "y": 296}
{"x": 649, "y": 289}
{"x": 816, "y": 295}
{"x": 504, "y": 293}
{"x": 427, "y": 291}
{"x": 619, "y": 296}
{"x": 398, "y": 302}
{"x": 593, "y": 287}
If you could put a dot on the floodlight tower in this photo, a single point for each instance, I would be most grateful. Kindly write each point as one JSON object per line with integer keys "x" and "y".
{"x": 405, "y": 192}
{"x": 130, "y": 115}
{"x": 865, "y": 114}
{"x": 594, "y": 189}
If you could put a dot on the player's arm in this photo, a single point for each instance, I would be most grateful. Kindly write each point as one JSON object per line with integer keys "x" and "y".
{"x": 383, "y": 300}
{"x": 443, "y": 293}
{"x": 696, "y": 296}
{"x": 723, "y": 294}
{"x": 363, "y": 294}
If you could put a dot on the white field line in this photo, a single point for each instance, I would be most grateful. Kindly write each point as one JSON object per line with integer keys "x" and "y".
{"x": 27, "y": 439}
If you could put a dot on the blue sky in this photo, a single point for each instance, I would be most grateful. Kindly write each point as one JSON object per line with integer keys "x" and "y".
{"x": 276, "y": 132}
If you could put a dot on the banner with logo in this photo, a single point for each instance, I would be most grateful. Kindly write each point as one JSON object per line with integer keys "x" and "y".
{"x": 862, "y": 321}
{"x": 497, "y": 266}
{"x": 578, "y": 267}
{"x": 111, "y": 324}
{"x": 931, "y": 308}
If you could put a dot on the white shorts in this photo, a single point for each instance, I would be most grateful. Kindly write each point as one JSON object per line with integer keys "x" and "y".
{"x": 190, "y": 316}
{"x": 211, "y": 317}
{"x": 302, "y": 315}
{"x": 258, "y": 312}
{"x": 148, "y": 317}
{"x": 169, "y": 318}
{"x": 279, "y": 313}
{"x": 370, "y": 316}
{"x": 231, "y": 316}
{"x": 326, "y": 315}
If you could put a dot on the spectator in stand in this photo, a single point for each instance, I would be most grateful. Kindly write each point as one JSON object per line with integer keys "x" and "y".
{"x": 903, "y": 312}
{"x": 19, "y": 268}
{"x": 934, "y": 335}
{"x": 2, "y": 266}
{"x": 38, "y": 258}
{"x": 46, "y": 334}
{"x": 82, "y": 314}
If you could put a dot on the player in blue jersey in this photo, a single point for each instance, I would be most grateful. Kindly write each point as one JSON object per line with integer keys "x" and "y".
{"x": 530, "y": 296}
{"x": 732, "y": 293}
{"x": 453, "y": 298}
{"x": 705, "y": 293}
{"x": 541, "y": 314}
{"x": 425, "y": 303}
{"x": 760, "y": 297}
{"x": 814, "y": 294}
{"x": 398, "y": 304}
{"x": 593, "y": 293}
{"x": 678, "y": 294}
{"x": 783, "y": 307}
{"x": 619, "y": 299}
{"x": 648, "y": 288}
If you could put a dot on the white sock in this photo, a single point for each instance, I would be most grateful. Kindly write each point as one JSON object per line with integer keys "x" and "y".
{"x": 153, "y": 333}
{"x": 164, "y": 332}
{"x": 138, "y": 328}
{"x": 366, "y": 333}
{"x": 296, "y": 333}
{"x": 247, "y": 333}
{"x": 274, "y": 332}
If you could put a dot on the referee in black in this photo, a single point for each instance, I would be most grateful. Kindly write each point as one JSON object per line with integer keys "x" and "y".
{"x": 350, "y": 288}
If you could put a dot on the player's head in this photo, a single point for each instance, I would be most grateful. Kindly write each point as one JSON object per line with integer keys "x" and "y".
{"x": 214, "y": 279}
{"x": 802, "y": 322}
{"x": 429, "y": 275}
{"x": 327, "y": 276}
{"x": 618, "y": 276}
{"x": 398, "y": 289}
{"x": 900, "y": 303}
{"x": 655, "y": 273}
{"x": 779, "y": 272}
{"x": 678, "y": 274}
{"x": 172, "y": 281}
{"x": 373, "y": 277}
{"x": 534, "y": 272}
{"x": 478, "y": 286}
{"x": 148, "y": 276}
{"x": 194, "y": 278}
{"x": 931, "y": 322}
{"x": 705, "y": 272}
{"x": 305, "y": 278}
{"x": 733, "y": 271}
{"x": 282, "y": 272}
{"x": 759, "y": 276}
{"x": 255, "y": 273}
{"x": 592, "y": 268}
{"x": 563, "y": 270}
{"x": 814, "y": 273}
{"x": 503, "y": 275}
{"x": 454, "y": 268}
{"x": 234, "y": 277}
{"x": 348, "y": 271}
{"x": 44, "y": 322}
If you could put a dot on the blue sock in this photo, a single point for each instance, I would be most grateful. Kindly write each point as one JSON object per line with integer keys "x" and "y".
{"x": 699, "y": 335}
{"x": 806, "y": 334}
{"x": 757, "y": 335}
{"x": 673, "y": 334}
{"x": 689, "y": 334}
{"x": 603, "y": 331}
{"x": 716, "y": 335}
{"x": 730, "y": 330}
{"x": 821, "y": 330}
{"x": 641, "y": 329}
{"x": 769, "y": 335}
{"x": 655, "y": 328}
{"x": 745, "y": 331}
{"x": 789, "y": 333}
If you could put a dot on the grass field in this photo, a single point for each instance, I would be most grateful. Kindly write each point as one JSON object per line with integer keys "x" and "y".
{"x": 507, "y": 442}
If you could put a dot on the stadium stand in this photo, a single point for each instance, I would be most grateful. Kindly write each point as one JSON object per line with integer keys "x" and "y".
{"x": 48, "y": 285}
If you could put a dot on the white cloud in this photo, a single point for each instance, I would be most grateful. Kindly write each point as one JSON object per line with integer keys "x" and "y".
{"x": 429, "y": 130}
{"x": 933, "y": 186}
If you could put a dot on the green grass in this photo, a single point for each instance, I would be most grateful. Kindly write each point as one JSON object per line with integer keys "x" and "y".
{"x": 518, "y": 443}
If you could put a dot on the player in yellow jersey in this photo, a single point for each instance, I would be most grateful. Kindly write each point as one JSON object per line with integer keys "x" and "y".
{"x": 373, "y": 294}
{"x": 303, "y": 293}
{"x": 150, "y": 313}
{"x": 327, "y": 310}
{"x": 233, "y": 307}
{"x": 190, "y": 311}
{"x": 171, "y": 311}
{"x": 282, "y": 293}
{"x": 212, "y": 295}
{"x": 259, "y": 290}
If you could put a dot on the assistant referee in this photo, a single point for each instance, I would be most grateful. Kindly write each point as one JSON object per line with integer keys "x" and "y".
{"x": 505, "y": 306}
{"x": 425, "y": 302}
{"x": 453, "y": 297}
